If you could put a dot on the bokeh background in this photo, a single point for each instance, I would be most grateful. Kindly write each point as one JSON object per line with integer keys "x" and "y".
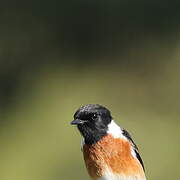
{"x": 58, "y": 55}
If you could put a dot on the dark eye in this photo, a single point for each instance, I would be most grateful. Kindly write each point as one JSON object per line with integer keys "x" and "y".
{"x": 94, "y": 116}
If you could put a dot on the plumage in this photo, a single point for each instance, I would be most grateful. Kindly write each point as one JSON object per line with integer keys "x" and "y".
{"x": 135, "y": 148}
{"x": 109, "y": 151}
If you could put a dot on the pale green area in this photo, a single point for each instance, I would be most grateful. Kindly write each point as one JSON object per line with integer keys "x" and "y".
{"x": 39, "y": 143}
{"x": 58, "y": 55}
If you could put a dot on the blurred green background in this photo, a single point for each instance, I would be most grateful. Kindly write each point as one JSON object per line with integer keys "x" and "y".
{"x": 58, "y": 55}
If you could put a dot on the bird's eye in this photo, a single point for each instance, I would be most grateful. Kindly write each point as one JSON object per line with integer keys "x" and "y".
{"x": 94, "y": 116}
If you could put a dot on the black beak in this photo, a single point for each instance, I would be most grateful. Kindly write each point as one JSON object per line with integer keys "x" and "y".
{"x": 77, "y": 121}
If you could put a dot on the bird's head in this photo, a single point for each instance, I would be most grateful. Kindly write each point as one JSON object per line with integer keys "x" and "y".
{"x": 92, "y": 121}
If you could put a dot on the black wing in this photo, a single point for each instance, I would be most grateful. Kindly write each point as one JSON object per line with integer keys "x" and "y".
{"x": 127, "y": 135}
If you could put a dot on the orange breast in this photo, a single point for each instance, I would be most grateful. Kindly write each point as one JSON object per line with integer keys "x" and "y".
{"x": 114, "y": 153}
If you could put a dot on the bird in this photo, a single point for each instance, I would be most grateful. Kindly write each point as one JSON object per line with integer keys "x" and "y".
{"x": 109, "y": 151}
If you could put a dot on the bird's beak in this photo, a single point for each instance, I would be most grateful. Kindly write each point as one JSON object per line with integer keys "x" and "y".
{"x": 77, "y": 121}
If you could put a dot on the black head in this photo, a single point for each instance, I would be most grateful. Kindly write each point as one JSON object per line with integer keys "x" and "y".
{"x": 92, "y": 121}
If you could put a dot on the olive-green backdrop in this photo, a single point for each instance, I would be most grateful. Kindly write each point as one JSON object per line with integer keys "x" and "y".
{"x": 58, "y": 55}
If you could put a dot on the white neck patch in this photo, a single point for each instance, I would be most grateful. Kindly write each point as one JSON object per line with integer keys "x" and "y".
{"x": 115, "y": 130}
